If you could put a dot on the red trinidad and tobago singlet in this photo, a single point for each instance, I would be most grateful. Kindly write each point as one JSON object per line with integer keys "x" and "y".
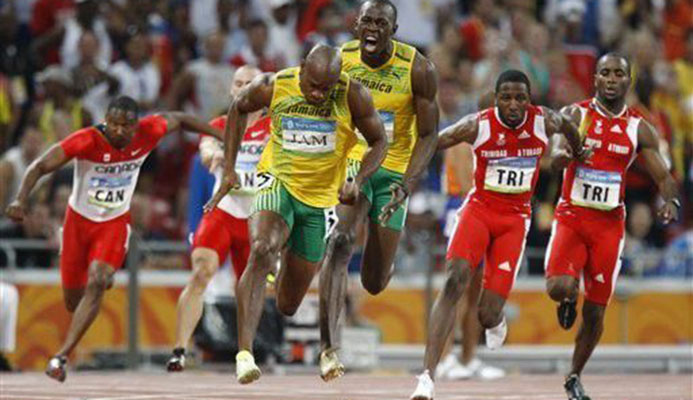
{"x": 599, "y": 184}
{"x": 506, "y": 160}
{"x": 105, "y": 177}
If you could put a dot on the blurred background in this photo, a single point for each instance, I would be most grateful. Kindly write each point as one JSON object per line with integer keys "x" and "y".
{"x": 61, "y": 61}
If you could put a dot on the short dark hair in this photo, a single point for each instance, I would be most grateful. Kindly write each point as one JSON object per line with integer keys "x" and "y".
{"x": 257, "y": 23}
{"x": 513, "y": 75}
{"x": 614, "y": 54}
{"x": 387, "y": 3}
{"x": 124, "y": 104}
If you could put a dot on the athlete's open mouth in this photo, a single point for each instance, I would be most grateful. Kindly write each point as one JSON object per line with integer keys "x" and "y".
{"x": 370, "y": 43}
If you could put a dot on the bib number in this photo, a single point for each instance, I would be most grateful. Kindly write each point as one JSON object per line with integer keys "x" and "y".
{"x": 596, "y": 189}
{"x": 264, "y": 180}
{"x": 388, "y": 119}
{"x": 309, "y": 136}
{"x": 108, "y": 192}
{"x": 331, "y": 221}
{"x": 510, "y": 175}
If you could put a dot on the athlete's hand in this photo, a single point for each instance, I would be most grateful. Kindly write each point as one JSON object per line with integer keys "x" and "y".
{"x": 585, "y": 154}
{"x": 349, "y": 192}
{"x": 561, "y": 157}
{"x": 16, "y": 211}
{"x": 668, "y": 212}
{"x": 399, "y": 196}
{"x": 229, "y": 181}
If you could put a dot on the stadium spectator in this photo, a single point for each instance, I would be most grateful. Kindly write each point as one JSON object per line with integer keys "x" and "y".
{"x": 34, "y": 226}
{"x": 329, "y": 29}
{"x": 59, "y": 113}
{"x": 258, "y": 52}
{"x": 204, "y": 81}
{"x": 231, "y": 19}
{"x": 15, "y": 161}
{"x": 66, "y": 32}
{"x": 282, "y": 31}
{"x": 137, "y": 75}
{"x": 94, "y": 86}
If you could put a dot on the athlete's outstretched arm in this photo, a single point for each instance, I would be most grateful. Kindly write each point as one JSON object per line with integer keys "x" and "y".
{"x": 464, "y": 130}
{"x": 254, "y": 97}
{"x": 190, "y": 123}
{"x": 648, "y": 143}
{"x": 425, "y": 89}
{"x": 564, "y": 123}
{"x": 368, "y": 122}
{"x": 50, "y": 161}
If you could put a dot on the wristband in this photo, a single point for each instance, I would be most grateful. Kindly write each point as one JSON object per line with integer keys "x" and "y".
{"x": 676, "y": 202}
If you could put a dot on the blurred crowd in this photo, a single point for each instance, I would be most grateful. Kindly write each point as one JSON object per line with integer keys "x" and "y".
{"x": 63, "y": 60}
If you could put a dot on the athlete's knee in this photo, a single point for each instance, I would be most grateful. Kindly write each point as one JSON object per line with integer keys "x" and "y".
{"x": 489, "y": 317}
{"x": 593, "y": 315}
{"x": 560, "y": 288}
{"x": 286, "y": 306}
{"x": 261, "y": 254}
{"x": 71, "y": 304}
{"x": 457, "y": 278}
{"x": 342, "y": 243}
{"x": 99, "y": 277}
{"x": 491, "y": 310}
{"x": 203, "y": 270}
{"x": 374, "y": 283}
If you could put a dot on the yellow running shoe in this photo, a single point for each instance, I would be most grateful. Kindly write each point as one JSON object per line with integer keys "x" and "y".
{"x": 330, "y": 366}
{"x": 246, "y": 370}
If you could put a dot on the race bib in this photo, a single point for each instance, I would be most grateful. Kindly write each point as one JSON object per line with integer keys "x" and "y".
{"x": 108, "y": 192}
{"x": 596, "y": 189}
{"x": 308, "y": 135}
{"x": 388, "y": 119}
{"x": 331, "y": 220}
{"x": 263, "y": 180}
{"x": 510, "y": 175}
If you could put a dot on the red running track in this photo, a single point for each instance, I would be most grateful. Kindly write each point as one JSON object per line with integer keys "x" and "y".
{"x": 216, "y": 386}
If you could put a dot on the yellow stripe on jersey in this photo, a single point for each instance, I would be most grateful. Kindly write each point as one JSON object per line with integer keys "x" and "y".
{"x": 390, "y": 86}
{"x": 309, "y": 143}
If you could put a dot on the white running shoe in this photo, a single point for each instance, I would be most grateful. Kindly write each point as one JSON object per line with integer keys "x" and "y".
{"x": 246, "y": 370}
{"x": 445, "y": 366}
{"x": 459, "y": 371}
{"x": 330, "y": 366}
{"x": 424, "y": 389}
{"x": 484, "y": 371}
{"x": 495, "y": 337}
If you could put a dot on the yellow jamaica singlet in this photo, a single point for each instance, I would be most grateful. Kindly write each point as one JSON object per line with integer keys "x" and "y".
{"x": 390, "y": 86}
{"x": 308, "y": 148}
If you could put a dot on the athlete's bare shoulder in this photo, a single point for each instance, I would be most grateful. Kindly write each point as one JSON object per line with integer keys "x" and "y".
{"x": 423, "y": 77}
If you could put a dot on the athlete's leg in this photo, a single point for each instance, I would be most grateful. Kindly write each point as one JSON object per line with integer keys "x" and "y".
{"x": 268, "y": 233}
{"x": 503, "y": 261}
{"x": 588, "y": 335}
{"x": 565, "y": 259}
{"x": 469, "y": 320}
{"x": 443, "y": 312}
{"x": 72, "y": 297}
{"x": 378, "y": 257}
{"x": 205, "y": 263}
{"x": 293, "y": 282}
{"x": 333, "y": 276}
{"x": 99, "y": 278}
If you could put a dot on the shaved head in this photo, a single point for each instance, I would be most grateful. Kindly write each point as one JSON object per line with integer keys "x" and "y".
{"x": 320, "y": 71}
{"x": 242, "y": 77}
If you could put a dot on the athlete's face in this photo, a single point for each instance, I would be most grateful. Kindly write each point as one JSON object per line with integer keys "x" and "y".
{"x": 120, "y": 127}
{"x": 612, "y": 79}
{"x": 512, "y": 100}
{"x": 375, "y": 27}
{"x": 316, "y": 85}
